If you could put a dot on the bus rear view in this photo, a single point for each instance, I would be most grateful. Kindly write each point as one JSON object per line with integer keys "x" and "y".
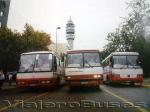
{"x": 83, "y": 68}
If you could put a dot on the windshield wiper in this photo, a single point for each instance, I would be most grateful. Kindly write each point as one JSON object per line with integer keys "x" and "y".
{"x": 132, "y": 66}
{"x": 88, "y": 64}
{"x": 122, "y": 67}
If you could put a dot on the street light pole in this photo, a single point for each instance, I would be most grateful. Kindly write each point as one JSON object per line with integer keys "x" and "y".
{"x": 56, "y": 37}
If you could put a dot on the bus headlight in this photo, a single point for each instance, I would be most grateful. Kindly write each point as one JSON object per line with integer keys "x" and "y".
{"x": 43, "y": 82}
{"x": 97, "y": 76}
{"x": 69, "y": 77}
{"x": 21, "y": 82}
{"x": 47, "y": 82}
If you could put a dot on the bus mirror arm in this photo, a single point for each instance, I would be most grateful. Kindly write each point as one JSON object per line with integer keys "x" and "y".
{"x": 88, "y": 64}
{"x": 54, "y": 68}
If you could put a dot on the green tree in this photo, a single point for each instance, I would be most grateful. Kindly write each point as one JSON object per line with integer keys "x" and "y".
{"x": 13, "y": 43}
{"x": 34, "y": 40}
{"x": 131, "y": 35}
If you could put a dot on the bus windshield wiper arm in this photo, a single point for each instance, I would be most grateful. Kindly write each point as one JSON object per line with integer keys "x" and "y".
{"x": 131, "y": 66}
{"x": 88, "y": 64}
{"x": 122, "y": 67}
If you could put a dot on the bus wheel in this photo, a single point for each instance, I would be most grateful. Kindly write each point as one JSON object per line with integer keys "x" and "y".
{"x": 57, "y": 83}
{"x": 75, "y": 88}
{"x": 71, "y": 88}
{"x": 108, "y": 82}
{"x": 105, "y": 82}
{"x": 141, "y": 84}
{"x": 97, "y": 87}
{"x": 132, "y": 83}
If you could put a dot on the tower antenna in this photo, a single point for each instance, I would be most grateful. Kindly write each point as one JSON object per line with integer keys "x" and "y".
{"x": 70, "y": 31}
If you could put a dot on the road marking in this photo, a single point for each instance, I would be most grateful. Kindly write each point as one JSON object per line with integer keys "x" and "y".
{"x": 17, "y": 103}
{"x": 123, "y": 99}
{"x": 146, "y": 85}
{"x": 146, "y": 80}
{"x": 8, "y": 88}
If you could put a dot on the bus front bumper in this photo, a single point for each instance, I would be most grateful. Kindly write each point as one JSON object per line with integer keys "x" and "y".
{"x": 83, "y": 81}
{"x": 23, "y": 83}
{"x": 127, "y": 80}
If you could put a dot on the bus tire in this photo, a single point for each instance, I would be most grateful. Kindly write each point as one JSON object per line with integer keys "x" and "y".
{"x": 71, "y": 88}
{"x": 132, "y": 83}
{"x": 104, "y": 82}
{"x": 57, "y": 83}
{"x": 97, "y": 87}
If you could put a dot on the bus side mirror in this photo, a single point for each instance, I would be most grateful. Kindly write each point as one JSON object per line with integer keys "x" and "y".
{"x": 55, "y": 64}
{"x": 138, "y": 63}
{"x": 111, "y": 62}
{"x": 62, "y": 64}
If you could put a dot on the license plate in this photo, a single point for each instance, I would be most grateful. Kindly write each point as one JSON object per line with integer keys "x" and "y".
{"x": 128, "y": 81}
{"x": 84, "y": 82}
{"x": 32, "y": 84}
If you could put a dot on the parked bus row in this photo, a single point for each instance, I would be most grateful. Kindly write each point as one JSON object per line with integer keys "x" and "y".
{"x": 81, "y": 68}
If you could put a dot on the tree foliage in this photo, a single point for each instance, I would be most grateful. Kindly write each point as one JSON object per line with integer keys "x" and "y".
{"x": 132, "y": 34}
{"x": 13, "y": 43}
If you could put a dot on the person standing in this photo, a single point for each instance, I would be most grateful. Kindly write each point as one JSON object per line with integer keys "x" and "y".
{"x": 2, "y": 78}
{"x": 10, "y": 78}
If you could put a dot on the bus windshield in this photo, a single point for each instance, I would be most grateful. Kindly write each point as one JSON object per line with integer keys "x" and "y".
{"x": 35, "y": 62}
{"x": 27, "y": 63}
{"x": 125, "y": 61}
{"x": 43, "y": 62}
{"x": 91, "y": 59}
{"x": 133, "y": 61}
{"x": 83, "y": 60}
{"x": 74, "y": 60}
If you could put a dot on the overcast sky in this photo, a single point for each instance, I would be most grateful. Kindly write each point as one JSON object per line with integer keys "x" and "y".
{"x": 93, "y": 19}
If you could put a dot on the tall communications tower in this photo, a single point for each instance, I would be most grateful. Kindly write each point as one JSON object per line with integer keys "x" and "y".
{"x": 70, "y": 33}
{"x": 4, "y": 10}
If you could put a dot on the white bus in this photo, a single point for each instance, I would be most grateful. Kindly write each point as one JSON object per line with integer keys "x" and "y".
{"x": 39, "y": 69}
{"x": 83, "y": 68}
{"x": 122, "y": 67}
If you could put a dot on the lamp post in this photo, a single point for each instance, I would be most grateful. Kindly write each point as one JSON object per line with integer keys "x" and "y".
{"x": 56, "y": 37}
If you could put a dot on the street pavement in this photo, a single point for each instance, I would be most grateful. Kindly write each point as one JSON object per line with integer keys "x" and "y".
{"x": 116, "y": 98}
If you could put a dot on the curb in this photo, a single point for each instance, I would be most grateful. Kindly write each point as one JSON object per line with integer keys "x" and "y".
{"x": 148, "y": 86}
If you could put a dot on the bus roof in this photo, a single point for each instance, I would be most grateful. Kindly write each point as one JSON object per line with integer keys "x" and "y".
{"x": 120, "y": 54}
{"x": 125, "y": 53}
{"x": 82, "y": 51}
{"x": 40, "y": 52}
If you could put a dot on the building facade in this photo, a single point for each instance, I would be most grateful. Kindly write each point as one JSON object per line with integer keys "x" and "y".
{"x": 70, "y": 34}
{"x": 4, "y": 11}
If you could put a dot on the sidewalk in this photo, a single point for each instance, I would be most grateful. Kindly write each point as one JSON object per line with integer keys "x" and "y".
{"x": 146, "y": 82}
{"x": 7, "y": 86}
